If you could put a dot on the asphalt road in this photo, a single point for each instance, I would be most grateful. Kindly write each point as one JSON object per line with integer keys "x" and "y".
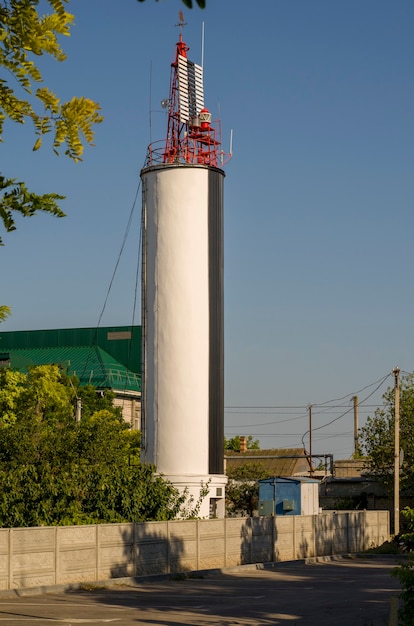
{"x": 348, "y": 592}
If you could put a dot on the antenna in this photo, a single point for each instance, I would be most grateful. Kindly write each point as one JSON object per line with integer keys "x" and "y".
{"x": 150, "y": 102}
{"x": 202, "y": 45}
{"x": 231, "y": 143}
{"x": 191, "y": 136}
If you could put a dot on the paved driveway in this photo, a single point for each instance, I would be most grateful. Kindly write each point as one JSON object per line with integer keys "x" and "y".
{"x": 348, "y": 592}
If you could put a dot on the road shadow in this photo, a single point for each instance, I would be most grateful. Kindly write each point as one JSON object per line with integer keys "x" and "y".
{"x": 353, "y": 592}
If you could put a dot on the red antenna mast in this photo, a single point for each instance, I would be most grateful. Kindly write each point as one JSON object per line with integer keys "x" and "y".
{"x": 191, "y": 136}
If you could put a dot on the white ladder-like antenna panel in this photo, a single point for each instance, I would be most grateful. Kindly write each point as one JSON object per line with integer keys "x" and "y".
{"x": 190, "y": 89}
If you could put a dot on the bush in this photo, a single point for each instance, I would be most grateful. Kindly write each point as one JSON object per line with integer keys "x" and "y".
{"x": 405, "y": 574}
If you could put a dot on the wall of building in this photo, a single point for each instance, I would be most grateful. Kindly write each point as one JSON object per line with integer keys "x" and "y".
{"x": 31, "y": 557}
{"x": 349, "y": 468}
{"x": 131, "y": 408}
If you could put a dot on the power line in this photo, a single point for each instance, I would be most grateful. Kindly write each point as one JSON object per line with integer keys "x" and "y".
{"x": 292, "y": 419}
{"x": 351, "y": 408}
{"x": 266, "y": 407}
{"x": 254, "y": 408}
{"x": 381, "y": 380}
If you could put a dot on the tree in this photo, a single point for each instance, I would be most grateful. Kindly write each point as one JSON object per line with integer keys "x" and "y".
{"x": 25, "y": 35}
{"x": 242, "y": 491}
{"x": 5, "y": 311}
{"x": 56, "y": 471}
{"x": 405, "y": 574}
{"x": 377, "y": 438}
{"x": 233, "y": 443}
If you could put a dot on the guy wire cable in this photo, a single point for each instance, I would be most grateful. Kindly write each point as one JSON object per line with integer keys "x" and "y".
{"x": 113, "y": 277}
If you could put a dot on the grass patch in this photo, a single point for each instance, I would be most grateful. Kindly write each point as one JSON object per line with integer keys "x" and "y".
{"x": 388, "y": 547}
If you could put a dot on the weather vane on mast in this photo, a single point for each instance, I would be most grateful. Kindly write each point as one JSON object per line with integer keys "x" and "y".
{"x": 181, "y": 22}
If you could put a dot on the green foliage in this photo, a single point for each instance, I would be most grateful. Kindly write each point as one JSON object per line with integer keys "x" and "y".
{"x": 352, "y": 503}
{"x": 233, "y": 443}
{"x": 242, "y": 498}
{"x": 55, "y": 471}
{"x": 405, "y": 574}
{"x": 16, "y": 198}
{"x": 24, "y": 36}
{"x": 190, "y": 508}
{"x": 377, "y": 438}
{"x": 94, "y": 401}
{"x": 388, "y": 547}
{"x": 5, "y": 311}
{"x": 249, "y": 470}
{"x": 11, "y": 388}
{"x": 408, "y": 537}
{"x": 242, "y": 491}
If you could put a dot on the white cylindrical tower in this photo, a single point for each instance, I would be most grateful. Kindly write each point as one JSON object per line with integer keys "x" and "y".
{"x": 182, "y": 297}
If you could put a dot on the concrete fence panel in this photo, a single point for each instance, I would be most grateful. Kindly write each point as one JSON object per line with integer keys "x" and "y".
{"x": 262, "y": 543}
{"x": 304, "y": 536}
{"x": 212, "y": 543}
{"x": 76, "y": 553}
{"x": 238, "y": 532}
{"x": 32, "y": 557}
{"x": 151, "y": 549}
{"x": 183, "y": 546}
{"x": 284, "y": 544}
{"x": 116, "y": 550}
{"x": 324, "y": 534}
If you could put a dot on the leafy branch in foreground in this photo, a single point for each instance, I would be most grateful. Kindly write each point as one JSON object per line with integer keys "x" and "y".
{"x": 5, "y": 311}
{"x": 24, "y": 35}
{"x": 15, "y": 197}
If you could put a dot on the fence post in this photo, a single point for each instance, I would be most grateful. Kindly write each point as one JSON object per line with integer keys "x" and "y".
{"x": 250, "y": 535}
{"x": 168, "y": 549}
{"x": 198, "y": 543}
{"x": 97, "y": 552}
{"x": 135, "y": 547}
{"x": 9, "y": 564}
{"x": 225, "y": 542}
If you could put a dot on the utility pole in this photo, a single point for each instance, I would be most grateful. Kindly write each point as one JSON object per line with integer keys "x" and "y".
{"x": 396, "y": 372}
{"x": 356, "y": 442}
{"x": 78, "y": 410}
{"x": 310, "y": 441}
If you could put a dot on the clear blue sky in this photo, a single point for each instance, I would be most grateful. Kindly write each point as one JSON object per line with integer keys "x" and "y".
{"x": 319, "y": 296}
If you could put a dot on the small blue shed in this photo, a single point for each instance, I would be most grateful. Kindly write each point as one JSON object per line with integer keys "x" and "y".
{"x": 288, "y": 496}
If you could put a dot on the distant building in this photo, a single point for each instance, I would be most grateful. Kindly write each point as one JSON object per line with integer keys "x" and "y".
{"x": 275, "y": 462}
{"x": 350, "y": 468}
{"x": 107, "y": 358}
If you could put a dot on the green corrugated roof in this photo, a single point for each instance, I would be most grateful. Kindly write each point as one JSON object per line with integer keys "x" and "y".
{"x": 92, "y": 365}
{"x": 122, "y": 342}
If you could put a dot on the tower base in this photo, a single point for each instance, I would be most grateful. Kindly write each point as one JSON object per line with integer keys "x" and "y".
{"x": 213, "y": 504}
